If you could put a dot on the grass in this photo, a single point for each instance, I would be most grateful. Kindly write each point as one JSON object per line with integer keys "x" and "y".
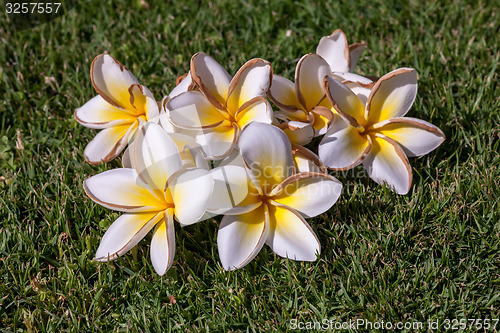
{"x": 430, "y": 255}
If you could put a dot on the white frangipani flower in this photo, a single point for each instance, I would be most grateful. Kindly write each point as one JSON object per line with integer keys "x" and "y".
{"x": 224, "y": 105}
{"x": 152, "y": 193}
{"x": 304, "y": 109}
{"x": 121, "y": 107}
{"x": 278, "y": 200}
{"x": 303, "y": 101}
{"x": 376, "y": 133}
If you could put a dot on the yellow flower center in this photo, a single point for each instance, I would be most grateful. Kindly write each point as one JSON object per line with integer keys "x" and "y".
{"x": 264, "y": 198}
{"x": 364, "y": 131}
{"x": 230, "y": 118}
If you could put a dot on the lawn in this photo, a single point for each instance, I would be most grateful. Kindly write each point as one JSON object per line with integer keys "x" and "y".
{"x": 430, "y": 255}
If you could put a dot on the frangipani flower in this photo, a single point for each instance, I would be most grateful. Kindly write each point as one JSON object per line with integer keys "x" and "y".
{"x": 121, "y": 107}
{"x": 303, "y": 101}
{"x": 154, "y": 192}
{"x": 305, "y": 111}
{"x": 223, "y": 106}
{"x": 377, "y": 134}
{"x": 278, "y": 200}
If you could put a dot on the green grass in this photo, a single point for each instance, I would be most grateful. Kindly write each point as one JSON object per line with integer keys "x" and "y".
{"x": 429, "y": 255}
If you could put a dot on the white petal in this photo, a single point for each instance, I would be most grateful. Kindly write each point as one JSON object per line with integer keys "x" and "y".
{"x": 241, "y": 237}
{"x": 232, "y": 188}
{"x": 248, "y": 205}
{"x": 347, "y": 104}
{"x": 252, "y": 200}
{"x": 112, "y": 80}
{"x": 125, "y": 233}
{"x": 152, "y": 110}
{"x": 306, "y": 161}
{"x": 165, "y": 123}
{"x": 120, "y": 189}
{"x": 309, "y": 75}
{"x": 252, "y": 80}
{"x": 417, "y": 137}
{"x": 387, "y": 163}
{"x": 298, "y": 132}
{"x": 290, "y": 236}
{"x": 192, "y": 110}
{"x": 335, "y": 50}
{"x": 211, "y": 78}
{"x": 155, "y": 156}
{"x": 163, "y": 244}
{"x": 258, "y": 110}
{"x": 108, "y": 143}
{"x": 97, "y": 113}
{"x": 267, "y": 152}
{"x": 191, "y": 191}
{"x": 363, "y": 92}
{"x": 218, "y": 142}
{"x": 322, "y": 117}
{"x": 343, "y": 147}
{"x": 185, "y": 85}
{"x": 351, "y": 77}
{"x": 355, "y": 51}
{"x": 392, "y": 96}
{"x": 139, "y": 96}
{"x": 282, "y": 93}
{"x": 297, "y": 115}
{"x": 309, "y": 193}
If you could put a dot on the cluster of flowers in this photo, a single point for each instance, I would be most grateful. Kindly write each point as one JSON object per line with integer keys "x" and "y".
{"x": 214, "y": 146}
